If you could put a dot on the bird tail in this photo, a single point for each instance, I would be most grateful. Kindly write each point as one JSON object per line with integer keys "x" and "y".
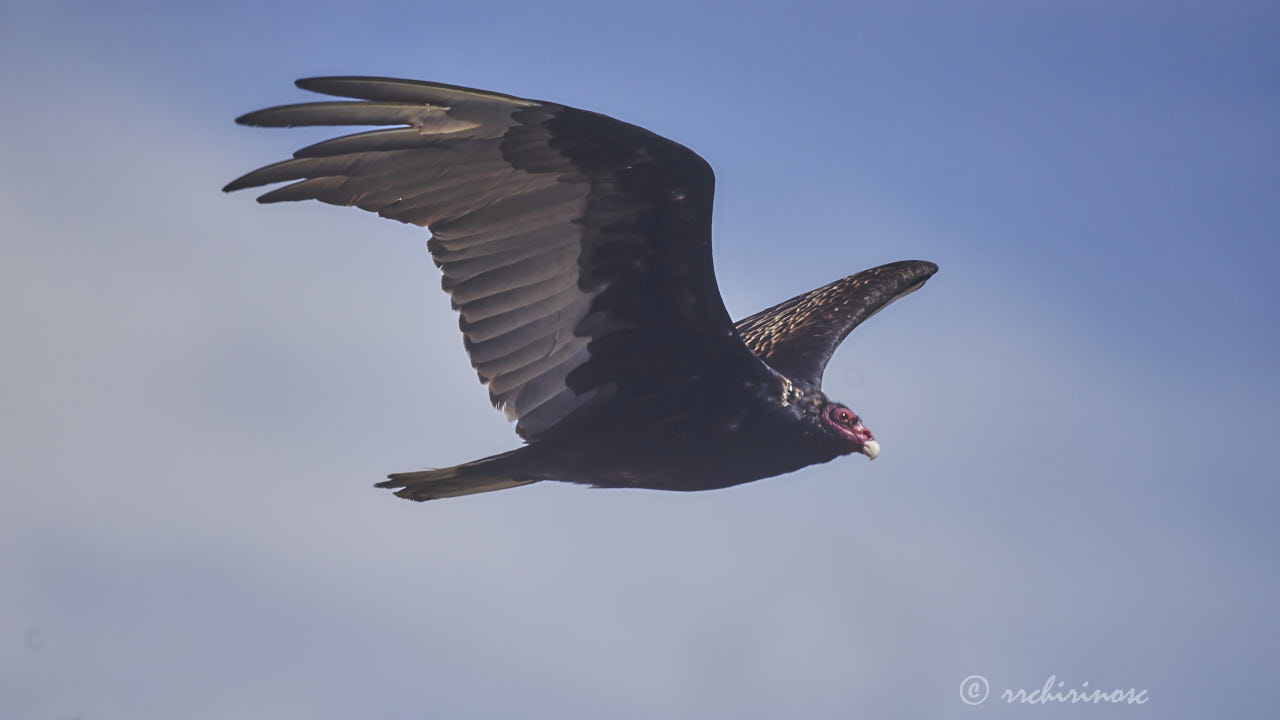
{"x": 497, "y": 472}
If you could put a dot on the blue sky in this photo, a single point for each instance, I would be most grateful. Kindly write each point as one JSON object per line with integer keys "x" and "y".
{"x": 1077, "y": 414}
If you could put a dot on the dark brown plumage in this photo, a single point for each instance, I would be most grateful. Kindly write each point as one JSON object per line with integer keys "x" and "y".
{"x": 577, "y": 251}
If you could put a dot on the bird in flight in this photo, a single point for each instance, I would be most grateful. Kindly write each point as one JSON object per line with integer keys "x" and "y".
{"x": 577, "y": 251}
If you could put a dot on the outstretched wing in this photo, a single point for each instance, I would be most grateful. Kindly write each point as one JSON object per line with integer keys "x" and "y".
{"x": 576, "y": 248}
{"x": 797, "y": 337}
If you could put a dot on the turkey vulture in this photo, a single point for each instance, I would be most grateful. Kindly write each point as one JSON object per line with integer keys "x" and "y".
{"x": 577, "y": 251}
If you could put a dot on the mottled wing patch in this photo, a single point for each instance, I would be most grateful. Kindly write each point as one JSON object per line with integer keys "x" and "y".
{"x": 798, "y": 337}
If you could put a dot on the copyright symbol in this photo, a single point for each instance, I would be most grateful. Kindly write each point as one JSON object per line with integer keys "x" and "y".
{"x": 974, "y": 689}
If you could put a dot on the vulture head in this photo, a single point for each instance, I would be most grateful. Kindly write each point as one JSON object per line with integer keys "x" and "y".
{"x": 847, "y": 432}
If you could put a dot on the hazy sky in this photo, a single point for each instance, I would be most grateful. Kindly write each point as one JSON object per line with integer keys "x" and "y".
{"x": 1077, "y": 414}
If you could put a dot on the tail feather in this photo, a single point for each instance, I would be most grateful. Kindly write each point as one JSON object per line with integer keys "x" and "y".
{"x": 485, "y": 475}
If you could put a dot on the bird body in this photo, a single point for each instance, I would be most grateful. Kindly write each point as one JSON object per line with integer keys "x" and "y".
{"x": 704, "y": 442}
{"x": 577, "y": 251}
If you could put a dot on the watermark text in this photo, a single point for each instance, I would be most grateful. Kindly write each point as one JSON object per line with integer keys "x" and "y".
{"x": 975, "y": 690}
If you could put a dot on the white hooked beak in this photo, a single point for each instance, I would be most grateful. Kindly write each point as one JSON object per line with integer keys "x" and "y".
{"x": 870, "y": 447}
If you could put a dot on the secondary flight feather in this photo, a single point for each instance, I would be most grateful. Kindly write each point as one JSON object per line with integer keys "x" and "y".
{"x": 577, "y": 251}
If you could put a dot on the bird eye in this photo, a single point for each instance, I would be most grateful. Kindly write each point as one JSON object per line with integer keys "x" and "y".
{"x": 843, "y": 416}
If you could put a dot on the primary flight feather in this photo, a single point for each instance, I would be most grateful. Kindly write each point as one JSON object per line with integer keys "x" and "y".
{"x": 577, "y": 251}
